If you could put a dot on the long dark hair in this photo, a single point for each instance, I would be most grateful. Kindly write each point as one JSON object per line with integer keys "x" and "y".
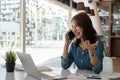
{"x": 84, "y": 21}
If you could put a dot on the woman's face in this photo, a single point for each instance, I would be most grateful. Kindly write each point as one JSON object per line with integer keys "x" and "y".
{"x": 78, "y": 31}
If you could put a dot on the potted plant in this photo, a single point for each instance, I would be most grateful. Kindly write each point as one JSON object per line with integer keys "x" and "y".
{"x": 10, "y": 59}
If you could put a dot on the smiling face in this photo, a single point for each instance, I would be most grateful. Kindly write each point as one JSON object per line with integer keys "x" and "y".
{"x": 83, "y": 28}
{"x": 78, "y": 31}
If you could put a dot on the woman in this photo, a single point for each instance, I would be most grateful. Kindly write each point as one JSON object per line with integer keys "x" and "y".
{"x": 85, "y": 50}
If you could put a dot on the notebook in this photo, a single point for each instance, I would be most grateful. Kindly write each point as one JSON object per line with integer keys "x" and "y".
{"x": 40, "y": 69}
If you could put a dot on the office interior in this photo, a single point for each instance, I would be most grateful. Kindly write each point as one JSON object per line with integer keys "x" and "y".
{"x": 38, "y": 27}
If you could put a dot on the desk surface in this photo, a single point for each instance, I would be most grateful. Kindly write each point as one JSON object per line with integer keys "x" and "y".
{"x": 58, "y": 72}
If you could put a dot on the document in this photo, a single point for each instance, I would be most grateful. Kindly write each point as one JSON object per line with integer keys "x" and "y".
{"x": 110, "y": 76}
{"x": 78, "y": 76}
{"x": 114, "y": 78}
{"x": 40, "y": 69}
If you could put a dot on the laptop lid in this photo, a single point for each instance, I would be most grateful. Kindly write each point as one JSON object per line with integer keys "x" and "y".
{"x": 30, "y": 67}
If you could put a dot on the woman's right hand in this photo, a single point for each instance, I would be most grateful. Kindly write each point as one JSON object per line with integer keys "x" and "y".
{"x": 67, "y": 40}
{"x": 66, "y": 45}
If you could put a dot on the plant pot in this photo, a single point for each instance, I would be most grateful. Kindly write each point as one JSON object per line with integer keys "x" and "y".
{"x": 10, "y": 67}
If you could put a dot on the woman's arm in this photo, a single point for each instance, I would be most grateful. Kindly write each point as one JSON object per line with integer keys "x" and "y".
{"x": 66, "y": 45}
{"x": 65, "y": 51}
{"x": 67, "y": 57}
{"x": 99, "y": 52}
{"x": 96, "y": 55}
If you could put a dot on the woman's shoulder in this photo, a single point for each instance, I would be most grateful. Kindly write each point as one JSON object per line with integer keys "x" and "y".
{"x": 100, "y": 41}
{"x": 100, "y": 38}
{"x": 100, "y": 44}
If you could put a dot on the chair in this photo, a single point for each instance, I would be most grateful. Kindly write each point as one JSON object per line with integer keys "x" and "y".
{"x": 55, "y": 62}
{"x": 107, "y": 64}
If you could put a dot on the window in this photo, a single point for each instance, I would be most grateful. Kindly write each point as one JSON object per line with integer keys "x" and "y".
{"x": 9, "y": 25}
{"x": 46, "y": 24}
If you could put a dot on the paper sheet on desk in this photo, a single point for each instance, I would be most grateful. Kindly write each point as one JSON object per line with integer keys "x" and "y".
{"x": 40, "y": 69}
{"x": 110, "y": 76}
{"x": 78, "y": 76}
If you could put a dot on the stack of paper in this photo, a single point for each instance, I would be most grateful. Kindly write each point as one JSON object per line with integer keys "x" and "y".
{"x": 40, "y": 69}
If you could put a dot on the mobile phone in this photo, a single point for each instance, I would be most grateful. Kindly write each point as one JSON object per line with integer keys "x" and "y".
{"x": 71, "y": 35}
{"x": 94, "y": 77}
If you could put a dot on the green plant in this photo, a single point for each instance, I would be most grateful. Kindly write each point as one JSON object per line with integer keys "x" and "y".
{"x": 10, "y": 57}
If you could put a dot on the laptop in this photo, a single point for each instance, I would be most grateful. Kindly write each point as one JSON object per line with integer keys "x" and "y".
{"x": 30, "y": 67}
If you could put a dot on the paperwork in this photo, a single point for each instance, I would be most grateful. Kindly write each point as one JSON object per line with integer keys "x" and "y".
{"x": 77, "y": 76}
{"x": 40, "y": 69}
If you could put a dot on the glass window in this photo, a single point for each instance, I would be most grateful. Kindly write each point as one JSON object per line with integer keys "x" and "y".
{"x": 46, "y": 24}
{"x": 9, "y": 26}
{"x": 104, "y": 14}
{"x": 116, "y": 20}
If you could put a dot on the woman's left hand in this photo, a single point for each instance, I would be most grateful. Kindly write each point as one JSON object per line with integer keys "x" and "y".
{"x": 91, "y": 47}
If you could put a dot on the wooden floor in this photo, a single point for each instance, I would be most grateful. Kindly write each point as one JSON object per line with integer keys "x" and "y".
{"x": 116, "y": 63}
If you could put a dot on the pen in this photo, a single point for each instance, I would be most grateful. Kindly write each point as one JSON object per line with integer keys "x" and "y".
{"x": 59, "y": 78}
{"x": 93, "y": 77}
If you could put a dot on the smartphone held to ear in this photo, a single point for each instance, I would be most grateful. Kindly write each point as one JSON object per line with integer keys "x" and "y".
{"x": 71, "y": 35}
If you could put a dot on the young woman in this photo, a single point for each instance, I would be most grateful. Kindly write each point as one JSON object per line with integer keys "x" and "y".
{"x": 85, "y": 49}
